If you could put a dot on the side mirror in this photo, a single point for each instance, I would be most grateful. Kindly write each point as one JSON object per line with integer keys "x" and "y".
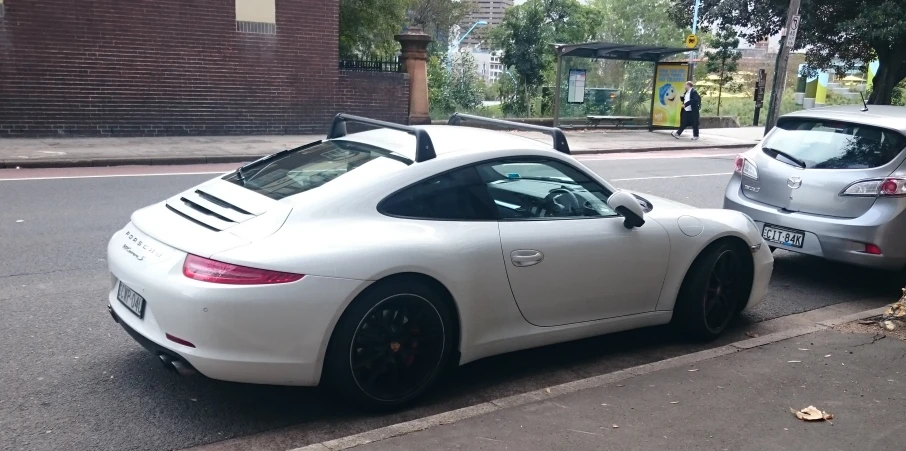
{"x": 628, "y": 206}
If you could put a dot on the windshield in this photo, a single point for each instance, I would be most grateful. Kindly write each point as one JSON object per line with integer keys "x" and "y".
{"x": 310, "y": 167}
{"x": 826, "y": 144}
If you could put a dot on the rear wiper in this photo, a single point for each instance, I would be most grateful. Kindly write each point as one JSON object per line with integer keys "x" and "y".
{"x": 798, "y": 162}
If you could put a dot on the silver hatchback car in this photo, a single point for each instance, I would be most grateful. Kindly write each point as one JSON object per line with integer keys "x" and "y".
{"x": 829, "y": 182}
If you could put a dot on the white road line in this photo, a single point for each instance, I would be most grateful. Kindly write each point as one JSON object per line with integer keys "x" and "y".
{"x": 671, "y": 177}
{"x": 110, "y": 176}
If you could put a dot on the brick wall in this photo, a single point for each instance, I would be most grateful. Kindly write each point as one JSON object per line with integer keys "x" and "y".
{"x": 178, "y": 67}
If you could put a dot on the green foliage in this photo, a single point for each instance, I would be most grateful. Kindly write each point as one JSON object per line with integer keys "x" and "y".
{"x": 723, "y": 60}
{"x": 837, "y": 34}
{"x": 367, "y": 27}
{"x": 459, "y": 89}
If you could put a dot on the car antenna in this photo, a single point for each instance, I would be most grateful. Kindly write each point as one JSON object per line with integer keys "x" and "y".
{"x": 865, "y": 105}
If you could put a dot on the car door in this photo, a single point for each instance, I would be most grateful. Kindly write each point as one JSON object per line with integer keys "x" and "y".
{"x": 568, "y": 256}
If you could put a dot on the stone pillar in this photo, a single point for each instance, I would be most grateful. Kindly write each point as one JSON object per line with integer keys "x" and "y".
{"x": 414, "y": 59}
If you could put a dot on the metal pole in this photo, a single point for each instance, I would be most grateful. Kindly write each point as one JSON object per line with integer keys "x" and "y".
{"x": 455, "y": 46}
{"x": 653, "y": 92}
{"x": 557, "y": 88}
{"x": 783, "y": 59}
{"x": 693, "y": 53}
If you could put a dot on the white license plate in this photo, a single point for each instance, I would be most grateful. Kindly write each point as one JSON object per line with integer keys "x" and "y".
{"x": 132, "y": 300}
{"x": 788, "y": 237}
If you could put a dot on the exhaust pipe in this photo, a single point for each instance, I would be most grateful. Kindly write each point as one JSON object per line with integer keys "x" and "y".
{"x": 173, "y": 364}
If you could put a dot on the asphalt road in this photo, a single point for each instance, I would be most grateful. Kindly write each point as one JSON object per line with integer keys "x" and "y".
{"x": 70, "y": 378}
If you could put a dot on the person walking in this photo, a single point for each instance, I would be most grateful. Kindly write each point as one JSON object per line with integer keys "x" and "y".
{"x": 692, "y": 105}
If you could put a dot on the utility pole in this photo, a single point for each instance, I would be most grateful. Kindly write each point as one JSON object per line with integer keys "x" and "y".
{"x": 694, "y": 31}
{"x": 783, "y": 58}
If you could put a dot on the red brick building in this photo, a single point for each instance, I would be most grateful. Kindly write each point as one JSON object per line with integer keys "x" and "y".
{"x": 180, "y": 67}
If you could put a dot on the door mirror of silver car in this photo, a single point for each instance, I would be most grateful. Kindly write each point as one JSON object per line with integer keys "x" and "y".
{"x": 627, "y": 206}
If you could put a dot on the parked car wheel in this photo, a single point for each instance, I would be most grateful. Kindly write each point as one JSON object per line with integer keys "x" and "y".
{"x": 714, "y": 291}
{"x": 390, "y": 345}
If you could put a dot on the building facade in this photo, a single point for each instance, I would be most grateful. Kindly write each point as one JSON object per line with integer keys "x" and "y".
{"x": 490, "y": 11}
{"x": 488, "y": 65}
{"x": 176, "y": 67}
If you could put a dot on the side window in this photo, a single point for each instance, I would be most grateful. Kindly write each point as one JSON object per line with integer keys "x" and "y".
{"x": 458, "y": 195}
{"x": 543, "y": 189}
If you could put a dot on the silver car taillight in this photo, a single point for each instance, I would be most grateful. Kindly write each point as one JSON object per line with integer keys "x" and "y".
{"x": 746, "y": 167}
{"x": 891, "y": 186}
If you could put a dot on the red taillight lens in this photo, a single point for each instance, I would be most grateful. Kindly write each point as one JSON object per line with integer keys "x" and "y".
{"x": 872, "y": 249}
{"x": 889, "y": 187}
{"x": 213, "y": 271}
{"x": 176, "y": 339}
{"x": 740, "y": 161}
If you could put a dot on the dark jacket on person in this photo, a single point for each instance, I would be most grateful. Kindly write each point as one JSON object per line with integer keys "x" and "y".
{"x": 692, "y": 98}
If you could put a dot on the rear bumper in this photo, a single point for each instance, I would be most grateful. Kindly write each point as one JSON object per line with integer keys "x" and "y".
{"x": 263, "y": 334}
{"x": 836, "y": 239}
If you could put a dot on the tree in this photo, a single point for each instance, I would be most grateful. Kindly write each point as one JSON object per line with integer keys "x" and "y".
{"x": 838, "y": 34}
{"x": 437, "y": 17}
{"x": 723, "y": 59}
{"x": 526, "y": 36}
{"x": 460, "y": 89}
{"x": 367, "y": 27}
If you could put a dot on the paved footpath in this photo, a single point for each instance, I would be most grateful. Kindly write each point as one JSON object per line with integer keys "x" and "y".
{"x": 73, "y": 152}
{"x": 736, "y": 397}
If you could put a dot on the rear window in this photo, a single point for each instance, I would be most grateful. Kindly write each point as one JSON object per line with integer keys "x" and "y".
{"x": 825, "y": 144}
{"x": 310, "y": 167}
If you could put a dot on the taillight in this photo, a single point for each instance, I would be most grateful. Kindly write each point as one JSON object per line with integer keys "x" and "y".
{"x": 872, "y": 249}
{"x": 207, "y": 270}
{"x": 877, "y": 188}
{"x": 746, "y": 167}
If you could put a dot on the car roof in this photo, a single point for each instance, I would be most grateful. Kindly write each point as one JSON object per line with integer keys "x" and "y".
{"x": 890, "y": 117}
{"x": 448, "y": 139}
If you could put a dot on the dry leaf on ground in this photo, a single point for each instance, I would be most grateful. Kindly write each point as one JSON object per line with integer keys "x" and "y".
{"x": 811, "y": 413}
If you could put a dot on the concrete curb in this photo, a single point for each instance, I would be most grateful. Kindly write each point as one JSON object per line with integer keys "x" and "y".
{"x": 125, "y": 161}
{"x": 185, "y": 159}
{"x": 453, "y": 416}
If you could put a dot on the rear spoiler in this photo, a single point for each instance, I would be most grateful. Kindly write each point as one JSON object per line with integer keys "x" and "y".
{"x": 424, "y": 148}
{"x": 560, "y": 143}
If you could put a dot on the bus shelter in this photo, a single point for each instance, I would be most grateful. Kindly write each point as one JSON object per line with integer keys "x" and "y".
{"x": 668, "y": 79}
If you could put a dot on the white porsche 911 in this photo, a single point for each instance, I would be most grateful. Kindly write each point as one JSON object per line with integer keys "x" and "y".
{"x": 369, "y": 261}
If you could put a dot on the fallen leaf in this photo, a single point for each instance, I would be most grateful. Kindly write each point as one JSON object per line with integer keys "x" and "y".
{"x": 751, "y": 334}
{"x": 889, "y": 325}
{"x": 674, "y": 402}
{"x": 20, "y": 220}
{"x": 827, "y": 356}
{"x": 803, "y": 349}
{"x": 692, "y": 371}
{"x": 621, "y": 385}
{"x": 794, "y": 361}
{"x": 811, "y": 413}
{"x": 616, "y": 427}
{"x": 547, "y": 390}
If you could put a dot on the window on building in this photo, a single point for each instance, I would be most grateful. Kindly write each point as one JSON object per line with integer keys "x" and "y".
{"x": 256, "y": 16}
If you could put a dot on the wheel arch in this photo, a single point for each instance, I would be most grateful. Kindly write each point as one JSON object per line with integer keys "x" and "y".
{"x": 402, "y": 278}
{"x": 741, "y": 245}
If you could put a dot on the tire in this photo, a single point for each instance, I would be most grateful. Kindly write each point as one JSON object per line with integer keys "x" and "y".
{"x": 714, "y": 291}
{"x": 390, "y": 345}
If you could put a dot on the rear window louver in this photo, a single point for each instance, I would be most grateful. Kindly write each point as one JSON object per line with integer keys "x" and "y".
{"x": 209, "y": 211}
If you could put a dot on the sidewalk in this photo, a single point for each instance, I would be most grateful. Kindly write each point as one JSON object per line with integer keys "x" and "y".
{"x": 736, "y": 397}
{"x": 73, "y": 152}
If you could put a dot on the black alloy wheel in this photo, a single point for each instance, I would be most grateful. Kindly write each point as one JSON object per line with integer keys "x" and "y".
{"x": 397, "y": 347}
{"x": 390, "y": 345}
{"x": 714, "y": 291}
{"x": 721, "y": 298}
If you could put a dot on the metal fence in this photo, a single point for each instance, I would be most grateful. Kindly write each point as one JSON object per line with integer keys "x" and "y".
{"x": 370, "y": 66}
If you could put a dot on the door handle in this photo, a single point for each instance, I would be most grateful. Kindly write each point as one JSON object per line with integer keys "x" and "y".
{"x": 526, "y": 257}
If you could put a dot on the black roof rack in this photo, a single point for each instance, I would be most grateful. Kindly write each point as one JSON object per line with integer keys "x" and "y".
{"x": 560, "y": 143}
{"x": 424, "y": 148}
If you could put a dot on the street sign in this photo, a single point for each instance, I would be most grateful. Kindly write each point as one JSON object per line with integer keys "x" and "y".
{"x": 691, "y": 41}
{"x": 794, "y": 28}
